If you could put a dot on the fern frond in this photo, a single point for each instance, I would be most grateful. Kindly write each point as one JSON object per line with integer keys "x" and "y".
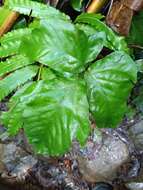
{"x": 14, "y": 80}
{"x": 10, "y": 42}
{"x": 36, "y": 9}
{"x": 13, "y": 64}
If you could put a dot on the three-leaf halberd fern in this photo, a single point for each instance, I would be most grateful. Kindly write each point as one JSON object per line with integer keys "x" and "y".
{"x": 47, "y": 65}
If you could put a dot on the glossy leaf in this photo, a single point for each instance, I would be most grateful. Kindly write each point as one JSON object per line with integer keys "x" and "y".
{"x": 67, "y": 51}
{"x": 52, "y": 118}
{"x": 77, "y": 4}
{"x": 10, "y": 42}
{"x": 12, "y": 81}
{"x": 113, "y": 41}
{"x": 109, "y": 83}
{"x": 13, "y": 63}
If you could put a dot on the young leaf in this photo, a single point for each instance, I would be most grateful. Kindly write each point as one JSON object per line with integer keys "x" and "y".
{"x": 113, "y": 41}
{"x": 109, "y": 82}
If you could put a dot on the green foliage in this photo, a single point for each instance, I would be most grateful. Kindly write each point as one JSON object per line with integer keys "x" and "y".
{"x": 35, "y": 9}
{"x": 11, "y": 41}
{"x": 109, "y": 82}
{"x": 136, "y": 31}
{"x": 112, "y": 41}
{"x": 52, "y": 68}
{"x": 77, "y": 4}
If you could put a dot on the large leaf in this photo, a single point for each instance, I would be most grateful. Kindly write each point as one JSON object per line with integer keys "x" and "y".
{"x": 109, "y": 82}
{"x": 66, "y": 51}
{"x": 63, "y": 51}
{"x": 53, "y": 113}
{"x": 14, "y": 80}
{"x": 113, "y": 41}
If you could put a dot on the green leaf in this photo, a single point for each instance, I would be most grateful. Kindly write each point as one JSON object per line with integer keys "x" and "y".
{"x": 49, "y": 130}
{"x": 109, "y": 82}
{"x": 63, "y": 51}
{"x": 113, "y": 41}
{"x": 35, "y": 9}
{"x": 14, "y": 80}
{"x": 10, "y": 42}
{"x": 95, "y": 43}
{"x": 77, "y": 4}
{"x": 13, "y": 64}
{"x": 67, "y": 51}
{"x": 136, "y": 31}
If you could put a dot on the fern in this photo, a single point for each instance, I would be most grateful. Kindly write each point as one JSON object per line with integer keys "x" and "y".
{"x": 56, "y": 80}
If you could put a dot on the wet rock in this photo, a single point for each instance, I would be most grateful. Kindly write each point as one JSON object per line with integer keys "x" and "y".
{"x": 135, "y": 186}
{"x": 136, "y": 134}
{"x": 25, "y": 163}
{"x": 15, "y": 159}
{"x": 101, "y": 164}
{"x": 103, "y": 186}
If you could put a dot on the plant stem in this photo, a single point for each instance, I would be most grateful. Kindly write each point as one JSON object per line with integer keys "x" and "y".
{"x": 39, "y": 72}
{"x": 8, "y": 23}
{"x": 135, "y": 46}
{"x": 96, "y": 5}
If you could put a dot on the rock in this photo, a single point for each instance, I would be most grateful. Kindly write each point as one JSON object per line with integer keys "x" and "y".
{"x": 25, "y": 163}
{"x": 15, "y": 159}
{"x": 136, "y": 134}
{"x": 102, "y": 164}
{"x": 103, "y": 186}
{"x": 134, "y": 186}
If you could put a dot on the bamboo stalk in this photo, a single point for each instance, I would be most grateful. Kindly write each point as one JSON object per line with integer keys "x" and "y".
{"x": 8, "y": 23}
{"x": 96, "y": 5}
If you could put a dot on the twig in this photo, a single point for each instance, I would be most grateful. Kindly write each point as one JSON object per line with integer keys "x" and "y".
{"x": 135, "y": 46}
{"x": 96, "y": 5}
{"x": 8, "y": 23}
